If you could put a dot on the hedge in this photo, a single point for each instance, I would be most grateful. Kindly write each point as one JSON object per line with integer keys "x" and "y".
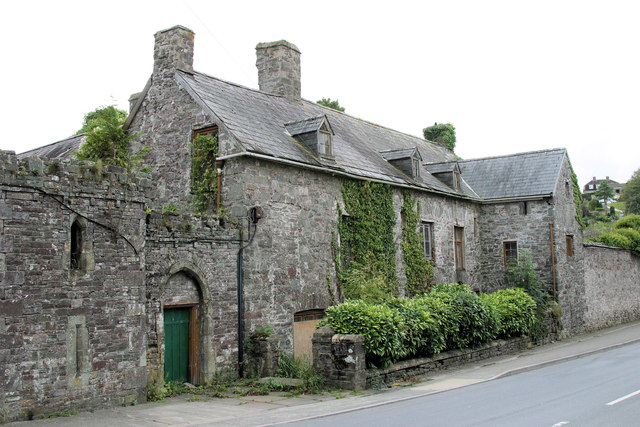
{"x": 451, "y": 316}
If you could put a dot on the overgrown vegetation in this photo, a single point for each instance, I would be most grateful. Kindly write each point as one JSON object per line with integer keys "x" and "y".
{"x": 106, "y": 139}
{"x": 300, "y": 368}
{"x": 328, "y": 102}
{"x": 418, "y": 268}
{"x": 625, "y": 234}
{"x": 204, "y": 172}
{"x": 451, "y": 316}
{"x": 365, "y": 258}
{"x": 577, "y": 198}
{"x": 443, "y": 133}
{"x": 631, "y": 194}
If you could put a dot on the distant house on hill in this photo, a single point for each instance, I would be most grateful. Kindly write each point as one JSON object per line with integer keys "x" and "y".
{"x": 591, "y": 187}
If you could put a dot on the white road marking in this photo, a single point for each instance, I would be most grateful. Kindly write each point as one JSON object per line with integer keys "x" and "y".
{"x": 561, "y": 423}
{"x": 613, "y": 402}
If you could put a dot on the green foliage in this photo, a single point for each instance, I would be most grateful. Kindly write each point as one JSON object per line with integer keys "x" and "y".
{"x": 443, "y": 133}
{"x": 522, "y": 275}
{"x": 604, "y": 192}
{"x": 577, "y": 198}
{"x": 263, "y": 331}
{"x": 422, "y": 335}
{"x": 515, "y": 309}
{"x": 476, "y": 321}
{"x": 362, "y": 281}
{"x": 379, "y": 324}
{"x": 418, "y": 268}
{"x": 328, "y": 102}
{"x": 614, "y": 239}
{"x": 629, "y": 221}
{"x": 631, "y": 194}
{"x": 204, "y": 172}
{"x": 594, "y": 204}
{"x": 106, "y": 139}
{"x": 367, "y": 249}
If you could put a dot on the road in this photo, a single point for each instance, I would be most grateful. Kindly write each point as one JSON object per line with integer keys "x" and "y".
{"x": 596, "y": 390}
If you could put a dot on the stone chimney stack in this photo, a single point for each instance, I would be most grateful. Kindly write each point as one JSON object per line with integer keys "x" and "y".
{"x": 173, "y": 50}
{"x": 279, "y": 68}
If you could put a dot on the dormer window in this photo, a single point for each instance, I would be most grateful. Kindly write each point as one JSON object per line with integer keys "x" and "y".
{"x": 449, "y": 173}
{"x": 315, "y": 134}
{"x": 408, "y": 160}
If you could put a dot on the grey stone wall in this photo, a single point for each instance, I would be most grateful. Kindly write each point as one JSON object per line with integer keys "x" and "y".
{"x": 611, "y": 286}
{"x": 570, "y": 283}
{"x": 70, "y": 339}
{"x": 500, "y": 222}
{"x": 340, "y": 359}
{"x": 279, "y": 68}
{"x": 192, "y": 260}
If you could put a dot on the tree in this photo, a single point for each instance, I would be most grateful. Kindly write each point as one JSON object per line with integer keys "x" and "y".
{"x": 106, "y": 139}
{"x": 328, "y": 102}
{"x": 444, "y": 133}
{"x": 631, "y": 194}
{"x": 604, "y": 192}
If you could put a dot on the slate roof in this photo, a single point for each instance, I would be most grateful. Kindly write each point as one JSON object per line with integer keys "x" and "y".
{"x": 257, "y": 120}
{"x": 402, "y": 153}
{"x": 518, "y": 175}
{"x": 304, "y": 126}
{"x": 62, "y": 149}
{"x": 440, "y": 167}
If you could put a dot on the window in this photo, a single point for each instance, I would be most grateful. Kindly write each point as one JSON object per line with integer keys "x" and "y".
{"x": 510, "y": 252}
{"x": 324, "y": 143}
{"x": 569, "y": 245}
{"x": 415, "y": 165}
{"x": 524, "y": 208}
{"x": 204, "y": 173}
{"x": 426, "y": 229}
{"x": 458, "y": 234}
{"x": 457, "y": 180}
{"x": 76, "y": 245}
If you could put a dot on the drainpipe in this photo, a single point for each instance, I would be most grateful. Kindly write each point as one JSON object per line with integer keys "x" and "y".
{"x": 553, "y": 262}
{"x": 255, "y": 214}
{"x": 219, "y": 165}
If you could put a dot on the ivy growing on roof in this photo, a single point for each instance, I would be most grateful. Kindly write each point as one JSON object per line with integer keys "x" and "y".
{"x": 443, "y": 133}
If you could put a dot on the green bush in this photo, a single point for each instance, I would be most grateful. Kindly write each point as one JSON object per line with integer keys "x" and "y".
{"x": 380, "y": 325}
{"x": 477, "y": 323}
{"x": 522, "y": 275}
{"x": 614, "y": 239}
{"x": 422, "y": 334}
{"x": 629, "y": 221}
{"x": 515, "y": 309}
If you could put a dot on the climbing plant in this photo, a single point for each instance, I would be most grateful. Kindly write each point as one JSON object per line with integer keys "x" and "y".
{"x": 418, "y": 268}
{"x": 577, "y": 198}
{"x": 444, "y": 133}
{"x": 204, "y": 173}
{"x": 366, "y": 255}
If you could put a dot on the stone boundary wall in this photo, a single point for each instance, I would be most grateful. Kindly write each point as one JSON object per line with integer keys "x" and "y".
{"x": 340, "y": 359}
{"x": 72, "y": 336}
{"x": 612, "y": 286}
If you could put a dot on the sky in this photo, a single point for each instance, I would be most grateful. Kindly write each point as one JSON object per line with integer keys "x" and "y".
{"x": 511, "y": 76}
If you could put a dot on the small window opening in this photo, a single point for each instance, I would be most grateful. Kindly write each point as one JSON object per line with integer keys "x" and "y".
{"x": 415, "y": 163}
{"x": 510, "y": 253}
{"x": 457, "y": 180}
{"x": 524, "y": 208}
{"x": 76, "y": 245}
{"x": 569, "y": 245}
{"x": 458, "y": 233}
{"x": 324, "y": 142}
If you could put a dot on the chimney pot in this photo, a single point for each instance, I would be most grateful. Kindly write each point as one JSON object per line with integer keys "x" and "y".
{"x": 607, "y": 178}
{"x": 173, "y": 50}
{"x": 279, "y": 69}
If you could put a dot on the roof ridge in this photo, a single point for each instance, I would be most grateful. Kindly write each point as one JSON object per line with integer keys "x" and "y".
{"x": 562, "y": 149}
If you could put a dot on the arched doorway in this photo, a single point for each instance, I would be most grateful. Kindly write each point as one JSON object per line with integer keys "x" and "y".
{"x": 182, "y": 304}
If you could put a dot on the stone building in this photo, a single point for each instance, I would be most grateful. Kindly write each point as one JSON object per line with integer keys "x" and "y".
{"x": 591, "y": 187}
{"x": 150, "y": 292}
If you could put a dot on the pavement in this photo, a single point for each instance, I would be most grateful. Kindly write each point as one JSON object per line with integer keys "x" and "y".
{"x": 279, "y": 408}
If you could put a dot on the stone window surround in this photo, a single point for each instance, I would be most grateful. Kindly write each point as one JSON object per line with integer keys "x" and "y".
{"x": 427, "y": 243}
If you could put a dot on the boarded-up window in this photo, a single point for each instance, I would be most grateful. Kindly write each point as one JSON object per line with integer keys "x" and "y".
{"x": 458, "y": 234}
{"x": 569, "y": 245}
{"x": 510, "y": 252}
{"x": 304, "y": 325}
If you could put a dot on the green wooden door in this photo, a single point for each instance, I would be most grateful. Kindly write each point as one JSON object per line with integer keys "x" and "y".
{"x": 176, "y": 344}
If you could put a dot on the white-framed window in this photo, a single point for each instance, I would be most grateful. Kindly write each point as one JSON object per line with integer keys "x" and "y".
{"x": 426, "y": 229}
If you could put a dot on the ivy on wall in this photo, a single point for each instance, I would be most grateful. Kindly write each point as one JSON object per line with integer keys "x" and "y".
{"x": 365, "y": 258}
{"x": 418, "y": 268}
{"x": 577, "y": 197}
{"x": 204, "y": 173}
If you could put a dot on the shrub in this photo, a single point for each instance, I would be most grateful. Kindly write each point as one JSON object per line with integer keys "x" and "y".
{"x": 359, "y": 281}
{"x": 522, "y": 275}
{"x": 477, "y": 323}
{"x": 614, "y": 239}
{"x": 380, "y": 325}
{"x": 515, "y": 310}
{"x": 422, "y": 334}
{"x": 629, "y": 221}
